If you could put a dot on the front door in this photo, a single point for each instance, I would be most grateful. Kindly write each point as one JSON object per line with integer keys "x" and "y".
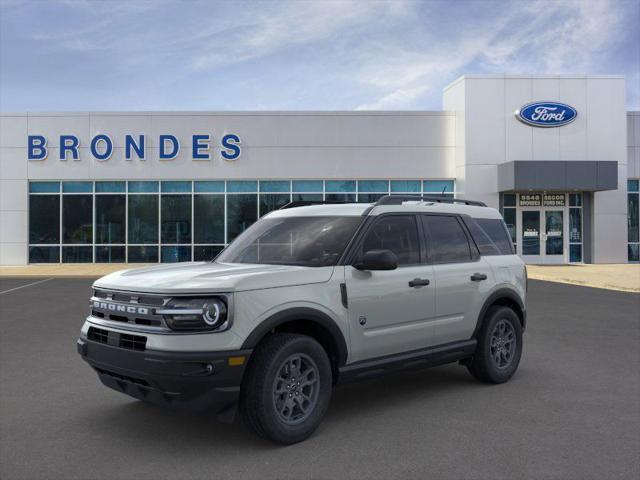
{"x": 542, "y": 235}
{"x": 391, "y": 311}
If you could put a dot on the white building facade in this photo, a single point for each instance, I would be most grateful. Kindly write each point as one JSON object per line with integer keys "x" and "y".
{"x": 143, "y": 187}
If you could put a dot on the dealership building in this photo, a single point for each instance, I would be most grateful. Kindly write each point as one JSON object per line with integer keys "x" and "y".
{"x": 559, "y": 155}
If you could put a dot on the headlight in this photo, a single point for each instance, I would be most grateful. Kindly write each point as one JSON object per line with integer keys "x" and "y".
{"x": 196, "y": 314}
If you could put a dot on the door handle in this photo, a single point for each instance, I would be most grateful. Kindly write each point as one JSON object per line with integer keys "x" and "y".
{"x": 419, "y": 282}
{"x": 478, "y": 277}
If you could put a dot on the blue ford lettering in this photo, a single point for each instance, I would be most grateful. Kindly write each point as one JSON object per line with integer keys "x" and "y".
{"x": 546, "y": 114}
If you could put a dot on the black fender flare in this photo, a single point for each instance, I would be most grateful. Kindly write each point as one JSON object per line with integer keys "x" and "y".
{"x": 500, "y": 294}
{"x": 305, "y": 314}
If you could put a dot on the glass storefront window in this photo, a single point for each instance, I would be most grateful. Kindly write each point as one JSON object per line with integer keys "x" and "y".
{"x": 143, "y": 254}
{"x": 242, "y": 211}
{"x": 109, "y": 254}
{"x": 632, "y": 217}
{"x": 575, "y": 200}
{"x": 143, "y": 219}
{"x": 405, "y": 186}
{"x": 633, "y": 232}
{"x": 510, "y": 219}
{"x": 270, "y": 186}
{"x": 175, "y": 187}
{"x": 143, "y": 187}
{"x": 575, "y": 253}
{"x": 44, "y": 254}
{"x": 77, "y": 187}
{"x": 575, "y": 225}
{"x": 341, "y": 197}
{"x": 340, "y": 186}
{"x": 306, "y": 197}
{"x": 77, "y": 219}
{"x": 373, "y": 186}
{"x": 146, "y": 221}
{"x": 44, "y": 187}
{"x": 509, "y": 200}
{"x": 208, "y": 218}
{"x": 438, "y": 186}
{"x": 110, "y": 218}
{"x": 370, "y": 197}
{"x": 272, "y": 201}
{"x": 238, "y": 186}
{"x": 77, "y": 254}
{"x": 175, "y": 212}
{"x": 111, "y": 187}
{"x": 208, "y": 187}
{"x": 303, "y": 186}
{"x": 44, "y": 219}
{"x": 176, "y": 253}
{"x": 206, "y": 253}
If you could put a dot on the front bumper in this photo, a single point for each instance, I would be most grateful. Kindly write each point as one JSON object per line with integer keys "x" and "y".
{"x": 194, "y": 381}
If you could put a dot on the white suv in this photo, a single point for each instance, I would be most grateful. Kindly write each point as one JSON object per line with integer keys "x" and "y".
{"x": 310, "y": 296}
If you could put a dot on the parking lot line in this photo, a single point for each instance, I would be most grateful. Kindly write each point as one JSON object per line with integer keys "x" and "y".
{"x": 27, "y": 285}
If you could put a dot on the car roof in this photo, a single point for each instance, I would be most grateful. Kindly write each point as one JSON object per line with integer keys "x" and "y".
{"x": 358, "y": 209}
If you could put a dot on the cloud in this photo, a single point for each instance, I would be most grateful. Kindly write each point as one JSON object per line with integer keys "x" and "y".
{"x": 533, "y": 37}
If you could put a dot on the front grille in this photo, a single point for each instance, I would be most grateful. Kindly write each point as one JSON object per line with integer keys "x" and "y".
{"x": 133, "y": 342}
{"x": 124, "y": 307}
{"x": 98, "y": 335}
{"x": 122, "y": 340}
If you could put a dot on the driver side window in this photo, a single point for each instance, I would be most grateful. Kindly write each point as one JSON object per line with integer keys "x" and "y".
{"x": 398, "y": 233}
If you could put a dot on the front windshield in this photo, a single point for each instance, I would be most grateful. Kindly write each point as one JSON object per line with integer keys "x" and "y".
{"x": 305, "y": 241}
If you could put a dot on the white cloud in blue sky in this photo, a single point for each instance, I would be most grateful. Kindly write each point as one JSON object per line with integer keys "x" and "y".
{"x": 291, "y": 55}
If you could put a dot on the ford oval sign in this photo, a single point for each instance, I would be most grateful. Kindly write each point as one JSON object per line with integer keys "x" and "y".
{"x": 546, "y": 114}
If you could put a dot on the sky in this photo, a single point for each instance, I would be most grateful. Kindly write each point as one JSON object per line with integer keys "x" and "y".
{"x": 297, "y": 55}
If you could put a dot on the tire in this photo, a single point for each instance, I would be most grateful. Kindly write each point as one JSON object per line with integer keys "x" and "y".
{"x": 273, "y": 402}
{"x": 496, "y": 358}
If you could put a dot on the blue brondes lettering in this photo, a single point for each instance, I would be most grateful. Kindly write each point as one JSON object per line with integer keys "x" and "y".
{"x": 131, "y": 144}
{"x": 200, "y": 147}
{"x": 36, "y": 147}
{"x": 230, "y": 147}
{"x": 107, "y": 150}
{"x": 69, "y": 143}
{"x": 101, "y": 147}
{"x": 165, "y": 140}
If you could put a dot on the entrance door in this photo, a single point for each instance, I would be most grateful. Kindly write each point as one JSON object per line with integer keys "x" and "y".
{"x": 542, "y": 235}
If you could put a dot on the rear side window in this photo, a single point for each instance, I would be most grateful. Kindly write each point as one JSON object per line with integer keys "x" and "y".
{"x": 398, "y": 233}
{"x": 447, "y": 241}
{"x": 490, "y": 234}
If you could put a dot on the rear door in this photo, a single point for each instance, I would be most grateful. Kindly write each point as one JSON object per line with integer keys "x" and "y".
{"x": 462, "y": 277}
{"x": 390, "y": 311}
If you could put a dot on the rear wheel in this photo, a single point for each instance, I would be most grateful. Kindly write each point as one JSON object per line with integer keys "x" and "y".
{"x": 499, "y": 346}
{"x": 287, "y": 388}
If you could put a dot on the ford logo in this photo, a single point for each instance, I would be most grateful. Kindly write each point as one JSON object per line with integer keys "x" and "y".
{"x": 546, "y": 114}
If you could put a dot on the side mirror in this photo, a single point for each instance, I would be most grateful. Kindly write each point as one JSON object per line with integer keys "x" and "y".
{"x": 377, "y": 260}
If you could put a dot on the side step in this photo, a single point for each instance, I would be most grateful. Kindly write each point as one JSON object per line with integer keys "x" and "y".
{"x": 417, "y": 359}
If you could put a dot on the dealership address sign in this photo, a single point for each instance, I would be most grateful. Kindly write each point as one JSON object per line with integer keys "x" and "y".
{"x": 101, "y": 147}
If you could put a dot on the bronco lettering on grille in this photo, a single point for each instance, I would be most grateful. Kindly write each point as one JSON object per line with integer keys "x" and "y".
{"x": 115, "y": 307}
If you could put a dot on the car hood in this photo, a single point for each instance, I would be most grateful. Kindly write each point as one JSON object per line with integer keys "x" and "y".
{"x": 207, "y": 277}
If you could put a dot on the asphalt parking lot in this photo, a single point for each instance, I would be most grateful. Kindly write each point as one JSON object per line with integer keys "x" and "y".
{"x": 571, "y": 411}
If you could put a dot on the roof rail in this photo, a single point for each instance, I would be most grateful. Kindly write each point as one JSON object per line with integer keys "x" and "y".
{"x": 398, "y": 199}
{"x": 306, "y": 203}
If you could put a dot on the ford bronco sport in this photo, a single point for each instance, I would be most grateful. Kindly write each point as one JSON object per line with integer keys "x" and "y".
{"x": 310, "y": 296}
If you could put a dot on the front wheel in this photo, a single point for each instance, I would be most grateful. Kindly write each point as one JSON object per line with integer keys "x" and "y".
{"x": 287, "y": 388}
{"x": 499, "y": 346}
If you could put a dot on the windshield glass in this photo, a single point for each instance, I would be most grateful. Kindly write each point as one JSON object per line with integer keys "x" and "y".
{"x": 305, "y": 241}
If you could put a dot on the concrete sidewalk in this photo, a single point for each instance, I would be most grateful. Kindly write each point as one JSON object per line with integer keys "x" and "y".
{"x": 68, "y": 269}
{"x": 622, "y": 277}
